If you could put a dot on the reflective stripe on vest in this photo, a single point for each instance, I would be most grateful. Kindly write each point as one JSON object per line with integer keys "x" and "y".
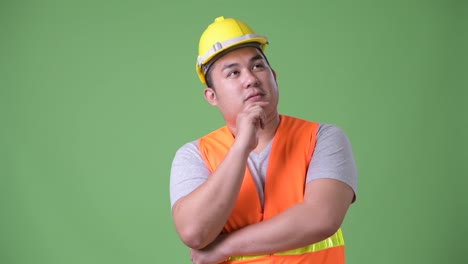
{"x": 333, "y": 241}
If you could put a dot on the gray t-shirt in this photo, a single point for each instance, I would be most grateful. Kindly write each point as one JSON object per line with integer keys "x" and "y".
{"x": 332, "y": 159}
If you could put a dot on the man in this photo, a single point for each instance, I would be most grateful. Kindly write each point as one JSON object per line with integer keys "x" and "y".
{"x": 265, "y": 188}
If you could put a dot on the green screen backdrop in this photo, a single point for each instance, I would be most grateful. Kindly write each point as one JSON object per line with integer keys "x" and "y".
{"x": 96, "y": 97}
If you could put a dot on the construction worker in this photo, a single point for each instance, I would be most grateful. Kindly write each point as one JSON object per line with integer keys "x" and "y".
{"x": 266, "y": 187}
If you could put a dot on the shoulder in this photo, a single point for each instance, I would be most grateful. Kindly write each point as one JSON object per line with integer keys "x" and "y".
{"x": 331, "y": 136}
{"x": 331, "y": 141}
{"x": 187, "y": 154}
{"x": 188, "y": 149}
{"x": 329, "y": 131}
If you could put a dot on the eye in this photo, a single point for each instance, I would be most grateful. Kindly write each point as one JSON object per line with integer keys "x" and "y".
{"x": 259, "y": 66}
{"x": 233, "y": 73}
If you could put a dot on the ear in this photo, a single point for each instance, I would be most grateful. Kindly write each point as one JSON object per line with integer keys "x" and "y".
{"x": 274, "y": 73}
{"x": 210, "y": 96}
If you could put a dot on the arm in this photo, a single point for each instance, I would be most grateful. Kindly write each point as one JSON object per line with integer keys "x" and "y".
{"x": 330, "y": 188}
{"x": 200, "y": 216}
{"x": 318, "y": 217}
{"x": 331, "y": 183}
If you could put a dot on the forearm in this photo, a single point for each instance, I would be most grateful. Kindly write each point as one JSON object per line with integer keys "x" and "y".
{"x": 288, "y": 230}
{"x": 200, "y": 216}
{"x": 316, "y": 218}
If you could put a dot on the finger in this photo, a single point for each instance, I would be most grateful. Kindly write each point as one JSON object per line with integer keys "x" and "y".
{"x": 260, "y": 117}
{"x": 264, "y": 119}
{"x": 259, "y": 120}
{"x": 255, "y": 104}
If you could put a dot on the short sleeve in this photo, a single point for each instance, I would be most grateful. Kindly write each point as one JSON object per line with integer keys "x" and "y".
{"x": 187, "y": 171}
{"x": 333, "y": 157}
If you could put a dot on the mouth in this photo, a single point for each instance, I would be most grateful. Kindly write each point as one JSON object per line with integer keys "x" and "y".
{"x": 254, "y": 97}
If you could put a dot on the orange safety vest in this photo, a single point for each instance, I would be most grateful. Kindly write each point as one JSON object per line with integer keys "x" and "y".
{"x": 290, "y": 154}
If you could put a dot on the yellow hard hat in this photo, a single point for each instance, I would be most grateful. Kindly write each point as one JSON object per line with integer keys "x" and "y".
{"x": 220, "y": 36}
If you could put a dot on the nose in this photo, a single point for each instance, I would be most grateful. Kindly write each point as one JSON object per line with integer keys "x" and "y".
{"x": 251, "y": 80}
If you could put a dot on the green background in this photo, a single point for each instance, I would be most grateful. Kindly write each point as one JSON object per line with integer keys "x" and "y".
{"x": 96, "y": 97}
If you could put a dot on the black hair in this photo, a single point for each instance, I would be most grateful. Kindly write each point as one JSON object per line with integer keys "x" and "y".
{"x": 208, "y": 78}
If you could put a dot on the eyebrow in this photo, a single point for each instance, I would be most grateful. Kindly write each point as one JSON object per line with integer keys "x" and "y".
{"x": 254, "y": 58}
{"x": 257, "y": 57}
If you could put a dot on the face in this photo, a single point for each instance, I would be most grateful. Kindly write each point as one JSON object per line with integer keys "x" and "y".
{"x": 239, "y": 78}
